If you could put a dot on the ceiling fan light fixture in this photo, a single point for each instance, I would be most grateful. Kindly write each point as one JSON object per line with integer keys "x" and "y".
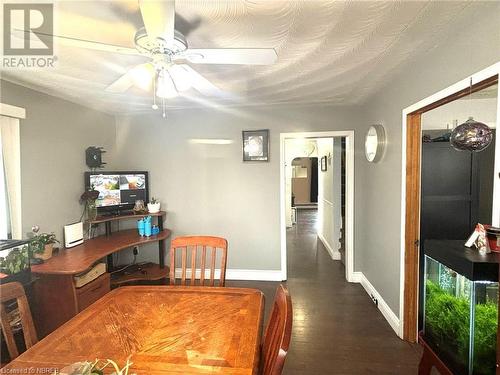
{"x": 165, "y": 86}
{"x": 142, "y": 75}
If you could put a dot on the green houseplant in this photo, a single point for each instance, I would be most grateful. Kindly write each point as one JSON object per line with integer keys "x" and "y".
{"x": 96, "y": 368}
{"x": 42, "y": 245}
{"x": 16, "y": 261}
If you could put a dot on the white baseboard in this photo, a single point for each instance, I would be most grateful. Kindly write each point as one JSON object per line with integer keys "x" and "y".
{"x": 384, "y": 308}
{"x": 335, "y": 254}
{"x": 356, "y": 277}
{"x": 238, "y": 274}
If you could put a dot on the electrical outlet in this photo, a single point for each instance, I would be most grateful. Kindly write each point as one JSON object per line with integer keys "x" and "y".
{"x": 136, "y": 250}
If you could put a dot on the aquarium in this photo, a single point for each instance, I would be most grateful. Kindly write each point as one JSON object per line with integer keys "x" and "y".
{"x": 460, "y": 319}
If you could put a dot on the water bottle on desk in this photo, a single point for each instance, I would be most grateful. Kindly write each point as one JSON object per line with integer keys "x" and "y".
{"x": 147, "y": 226}
{"x": 140, "y": 227}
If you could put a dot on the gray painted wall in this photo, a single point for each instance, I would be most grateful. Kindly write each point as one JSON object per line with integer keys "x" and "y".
{"x": 54, "y": 137}
{"x": 378, "y": 186}
{"x": 207, "y": 189}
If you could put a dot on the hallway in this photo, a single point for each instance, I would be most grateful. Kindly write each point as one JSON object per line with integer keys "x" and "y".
{"x": 336, "y": 327}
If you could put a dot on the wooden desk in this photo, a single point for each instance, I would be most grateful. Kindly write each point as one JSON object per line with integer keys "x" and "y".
{"x": 165, "y": 330}
{"x": 57, "y": 299}
{"x": 79, "y": 258}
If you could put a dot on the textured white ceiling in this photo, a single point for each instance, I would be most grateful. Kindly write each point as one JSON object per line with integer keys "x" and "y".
{"x": 339, "y": 52}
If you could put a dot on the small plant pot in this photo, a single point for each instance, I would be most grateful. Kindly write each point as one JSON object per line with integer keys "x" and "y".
{"x": 153, "y": 208}
{"x": 47, "y": 252}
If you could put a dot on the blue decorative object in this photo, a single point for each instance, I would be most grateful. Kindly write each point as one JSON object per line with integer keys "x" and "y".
{"x": 471, "y": 136}
{"x": 140, "y": 227}
{"x": 147, "y": 226}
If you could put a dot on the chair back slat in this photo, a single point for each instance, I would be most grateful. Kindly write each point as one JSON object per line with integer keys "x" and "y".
{"x": 184, "y": 265}
{"x": 212, "y": 266}
{"x": 203, "y": 261}
{"x": 9, "y": 292}
{"x": 217, "y": 248}
{"x": 276, "y": 340}
{"x": 193, "y": 265}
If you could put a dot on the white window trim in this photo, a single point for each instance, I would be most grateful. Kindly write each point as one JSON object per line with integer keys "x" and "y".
{"x": 12, "y": 111}
{"x": 16, "y": 214}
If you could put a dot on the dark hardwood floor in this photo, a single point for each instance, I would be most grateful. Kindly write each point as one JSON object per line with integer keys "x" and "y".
{"x": 336, "y": 327}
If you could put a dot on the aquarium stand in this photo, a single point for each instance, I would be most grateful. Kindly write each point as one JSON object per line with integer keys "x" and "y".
{"x": 461, "y": 313}
{"x": 430, "y": 360}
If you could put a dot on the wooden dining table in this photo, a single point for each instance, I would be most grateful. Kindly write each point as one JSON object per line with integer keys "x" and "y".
{"x": 162, "y": 329}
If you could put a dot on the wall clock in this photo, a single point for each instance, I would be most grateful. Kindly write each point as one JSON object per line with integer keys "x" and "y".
{"x": 375, "y": 143}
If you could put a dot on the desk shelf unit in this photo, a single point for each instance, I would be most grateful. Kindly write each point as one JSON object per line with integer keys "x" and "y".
{"x": 158, "y": 271}
{"x": 58, "y": 299}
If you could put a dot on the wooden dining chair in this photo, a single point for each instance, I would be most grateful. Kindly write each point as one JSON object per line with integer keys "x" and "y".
{"x": 277, "y": 335}
{"x": 9, "y": 292}
{"x": 194, "y": 251}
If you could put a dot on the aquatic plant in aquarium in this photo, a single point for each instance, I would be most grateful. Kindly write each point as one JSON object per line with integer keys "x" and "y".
{"x": 461, "y": 319}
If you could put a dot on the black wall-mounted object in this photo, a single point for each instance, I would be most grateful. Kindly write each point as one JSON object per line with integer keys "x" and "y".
{"x": 93, "y": 157}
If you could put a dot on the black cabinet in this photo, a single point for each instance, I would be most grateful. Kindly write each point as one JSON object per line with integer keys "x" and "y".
{"x": 449, "y": 192}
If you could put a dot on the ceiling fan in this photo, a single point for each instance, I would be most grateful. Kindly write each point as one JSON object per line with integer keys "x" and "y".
{"x": 169, "y": 53}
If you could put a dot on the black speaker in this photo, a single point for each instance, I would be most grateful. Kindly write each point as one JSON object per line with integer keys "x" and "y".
{"x": 93, "y": 157}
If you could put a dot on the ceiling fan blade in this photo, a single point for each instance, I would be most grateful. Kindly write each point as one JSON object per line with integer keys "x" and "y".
{"x": 159, "y": 18}
{"x": 81, "y": 43}
{"x": 181, "y": 77}
{"x": 200, "y": 83}
{"x": 242, "y": 56}
{"x": 122, "y": 84}
{"x": 140, "y": 75}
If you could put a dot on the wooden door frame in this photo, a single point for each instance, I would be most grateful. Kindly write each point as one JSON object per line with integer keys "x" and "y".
{"x": 410, "y": 189}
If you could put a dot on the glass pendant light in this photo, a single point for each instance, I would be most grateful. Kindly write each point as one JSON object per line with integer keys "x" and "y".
{"x": 472, "y": 135}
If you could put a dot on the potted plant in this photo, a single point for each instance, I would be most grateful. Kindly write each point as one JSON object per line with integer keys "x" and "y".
{"x": 42, "y": 245}
{"x": 89, "y": 198}
{"x": 154, "y": 206}
{"x": 96, "y": 368}
{"x": 14, "y": 263}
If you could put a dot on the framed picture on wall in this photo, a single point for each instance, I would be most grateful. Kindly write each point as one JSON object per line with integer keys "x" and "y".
{"x": 256, "y": 145}
{"x": 324, "y": 164}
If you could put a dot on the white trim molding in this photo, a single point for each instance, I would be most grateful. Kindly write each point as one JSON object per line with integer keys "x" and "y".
{"x": 237, "y": 274}
{"x": 334, "y": 254}
{"x": 349, "y": 227}
{"x": 384, "y": 308}
{"x": 493, "y": 70}
{"x": 12, "y": 111}
{"x": 356, "y": 276}
{"x": 10, "y": 137}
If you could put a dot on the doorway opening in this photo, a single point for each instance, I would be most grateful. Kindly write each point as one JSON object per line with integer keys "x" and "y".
{"x": 317, "y": 189}
{"x": 418, "y": 201}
